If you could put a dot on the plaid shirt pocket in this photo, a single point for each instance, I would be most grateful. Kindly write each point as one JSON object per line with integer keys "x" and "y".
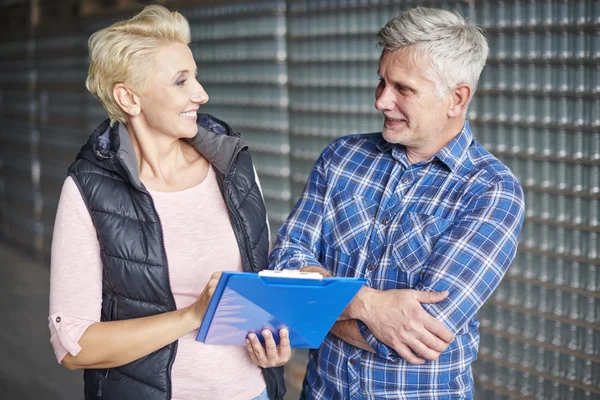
{"x": 347, "y": 221}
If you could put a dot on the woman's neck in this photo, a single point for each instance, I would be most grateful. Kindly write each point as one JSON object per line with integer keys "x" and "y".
{"x": 166, "y": 163}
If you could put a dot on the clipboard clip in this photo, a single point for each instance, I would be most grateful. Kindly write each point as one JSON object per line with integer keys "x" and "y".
{"x": 290, "y": 273}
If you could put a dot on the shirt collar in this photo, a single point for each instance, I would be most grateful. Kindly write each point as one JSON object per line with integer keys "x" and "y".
{"x": 452, "y": 155}
{"x": 455, "y": 152}
{"x": 397, "y": 150}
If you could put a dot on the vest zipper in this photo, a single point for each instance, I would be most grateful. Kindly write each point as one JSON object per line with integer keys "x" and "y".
{"x": 175, "y": 343}
{"x": 172, "y": 298}
{"x": 235, "y": 219}
{"x": 112, "y": 315}
{"x": 102, "y": 384}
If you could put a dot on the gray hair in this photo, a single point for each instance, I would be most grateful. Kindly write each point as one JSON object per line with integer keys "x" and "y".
{"x": 457, "y": 49}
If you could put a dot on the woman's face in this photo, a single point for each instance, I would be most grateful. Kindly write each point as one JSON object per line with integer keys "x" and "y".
{"x": 173, "y": 94}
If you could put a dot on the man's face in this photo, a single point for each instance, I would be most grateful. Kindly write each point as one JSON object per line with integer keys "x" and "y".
{"x": 174, "y": 95}
{"x": 414, "y": 115}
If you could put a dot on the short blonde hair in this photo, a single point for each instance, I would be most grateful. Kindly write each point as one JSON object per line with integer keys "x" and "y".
{"x": 123, "y": 52}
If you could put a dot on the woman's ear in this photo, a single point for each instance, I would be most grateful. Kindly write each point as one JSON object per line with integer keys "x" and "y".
{"x": 127, "y": 100}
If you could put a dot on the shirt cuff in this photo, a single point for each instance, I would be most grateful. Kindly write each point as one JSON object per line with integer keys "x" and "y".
{"x": 65, "y": 333}
{"x": 296, "y": 262}
{"x": 381, "y": 349}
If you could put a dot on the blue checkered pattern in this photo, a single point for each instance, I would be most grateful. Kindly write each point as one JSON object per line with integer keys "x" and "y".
{"x": 449, "y": 223}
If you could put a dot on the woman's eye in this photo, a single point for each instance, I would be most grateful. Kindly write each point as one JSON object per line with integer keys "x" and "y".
{"x": 181, "y": 82}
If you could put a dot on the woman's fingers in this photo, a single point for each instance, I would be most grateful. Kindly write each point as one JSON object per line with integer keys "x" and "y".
{"x": 269, "y": 355}
{"x": 256, "y": 349}
{"x": 270, "y": 346}
{"x": 285, "y": 349}
{"x": 251, "y": 351}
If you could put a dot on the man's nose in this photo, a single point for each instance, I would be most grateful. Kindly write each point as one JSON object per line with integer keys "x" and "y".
{"x": 383, "y": 100}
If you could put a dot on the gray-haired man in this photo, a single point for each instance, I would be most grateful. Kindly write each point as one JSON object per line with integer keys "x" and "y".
{"x": 421, "y": 210}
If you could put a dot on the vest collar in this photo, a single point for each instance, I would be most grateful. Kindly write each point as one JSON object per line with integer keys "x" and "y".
{"x": 215, "y": 140}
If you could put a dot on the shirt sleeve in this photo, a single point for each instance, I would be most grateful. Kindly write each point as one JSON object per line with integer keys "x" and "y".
{"x": 469, "y": 260}
{"x": 75, "y": 273}
{"x": 299, "y": 238}
{"x": 472, "y": 256}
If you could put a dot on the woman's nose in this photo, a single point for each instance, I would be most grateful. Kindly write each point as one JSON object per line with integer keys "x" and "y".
{"x": 200, "y": 96}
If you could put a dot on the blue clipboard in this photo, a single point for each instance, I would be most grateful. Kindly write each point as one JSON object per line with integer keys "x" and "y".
{"x": 246, "y": 302}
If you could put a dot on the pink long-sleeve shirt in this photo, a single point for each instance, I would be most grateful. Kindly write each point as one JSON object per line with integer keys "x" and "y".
{"x": 199, "y": 240}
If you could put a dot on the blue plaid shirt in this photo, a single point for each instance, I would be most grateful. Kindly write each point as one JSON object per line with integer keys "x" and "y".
{"x": 449, "y": 223}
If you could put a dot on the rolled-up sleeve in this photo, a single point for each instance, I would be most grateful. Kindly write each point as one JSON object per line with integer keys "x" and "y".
{"x": 75, "y": 273}
{"x": 469, "y": 260}
{"x": 299, "y": 239}
{"x": 472, "y": 256}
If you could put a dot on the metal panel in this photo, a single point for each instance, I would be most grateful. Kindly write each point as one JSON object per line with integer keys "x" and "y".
{"x": 61, "y": 64}
{"x": 537, "y": 109}
{"x": 241, "y": 54}
{"x": 20, "y": 202}
{"x": 292, "y": 76}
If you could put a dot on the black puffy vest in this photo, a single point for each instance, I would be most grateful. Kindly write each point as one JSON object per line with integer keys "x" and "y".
{"x": 135, "y": 278}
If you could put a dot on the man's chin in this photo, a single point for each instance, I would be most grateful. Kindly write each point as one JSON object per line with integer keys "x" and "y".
{"x": 394, "y": 136}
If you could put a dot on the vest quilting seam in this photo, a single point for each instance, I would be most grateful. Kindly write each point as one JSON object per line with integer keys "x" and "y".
{"x": 122, "y": 216}
{"x": 130, "y": 260}
{"x": 137, "y": 379}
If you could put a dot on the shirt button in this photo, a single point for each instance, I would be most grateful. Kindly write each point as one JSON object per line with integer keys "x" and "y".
{"x": 353, "y": 361}
{"x": 57, "y": 319}
{"x": 405, "y": 180}
{"x": 370, "y": 267}
{"x": 385, "y": 221}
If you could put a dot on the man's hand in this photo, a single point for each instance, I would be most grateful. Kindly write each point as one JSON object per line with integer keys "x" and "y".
{"x": 397, "y": 318}
{"x": 319, "y": 270}
{"x": 270, "y": 355}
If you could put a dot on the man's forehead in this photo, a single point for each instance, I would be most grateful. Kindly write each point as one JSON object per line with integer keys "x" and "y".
{"x": 404, "y": 58}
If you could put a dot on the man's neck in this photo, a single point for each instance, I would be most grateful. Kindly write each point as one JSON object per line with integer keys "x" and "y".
{"x": 427, "y": 150}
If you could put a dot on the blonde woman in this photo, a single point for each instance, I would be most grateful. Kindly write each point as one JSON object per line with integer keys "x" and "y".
{"x": 158, "y": 201}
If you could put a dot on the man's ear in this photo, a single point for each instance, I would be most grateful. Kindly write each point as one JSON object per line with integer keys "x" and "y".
{"x": 459, "y": 99}
{"x": 127, "y": 100}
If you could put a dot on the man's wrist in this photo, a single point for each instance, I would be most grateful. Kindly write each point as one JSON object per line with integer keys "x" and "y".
{"x": 359, "y": 306}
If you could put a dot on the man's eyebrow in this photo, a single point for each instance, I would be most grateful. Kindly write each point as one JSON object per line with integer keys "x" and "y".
{"x": 401, "y": 86}
{"x": 404, "y": 87}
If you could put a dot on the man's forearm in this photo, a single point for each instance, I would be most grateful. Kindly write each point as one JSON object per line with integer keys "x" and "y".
{"x": 347, "y": 330}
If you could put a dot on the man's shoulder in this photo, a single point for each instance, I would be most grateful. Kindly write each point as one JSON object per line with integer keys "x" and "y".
{"x": 357, "y": 142}
{"x": 490, "y": 168}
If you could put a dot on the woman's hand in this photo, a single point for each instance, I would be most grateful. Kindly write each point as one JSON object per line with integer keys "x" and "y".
{"x": 198, "y": 309}
{"x": 270, "y": 355}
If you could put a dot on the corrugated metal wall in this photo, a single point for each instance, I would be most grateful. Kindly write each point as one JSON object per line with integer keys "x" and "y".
{"x": 20, "y": 199}
{"x": 294, "y": 75}
{"x": 61, "y": 65}
{"x": 241, "y": 54}
{"x": 538, "y": 110}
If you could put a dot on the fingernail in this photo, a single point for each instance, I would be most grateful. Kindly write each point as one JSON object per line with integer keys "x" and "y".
{"x": 266, "y": 333}
{"x": 247, "y": 341}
